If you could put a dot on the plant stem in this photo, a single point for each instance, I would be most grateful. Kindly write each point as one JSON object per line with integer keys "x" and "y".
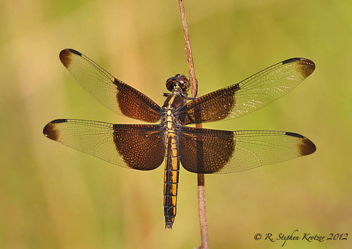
{"x": 194, "y": 89}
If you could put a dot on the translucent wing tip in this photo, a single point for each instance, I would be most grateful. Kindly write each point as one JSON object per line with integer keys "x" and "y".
{"x": 66, "y": 56}
{"x": 305, "y": 146}
{"x": 307, "y": 66}
{"x": 50, "y": 130}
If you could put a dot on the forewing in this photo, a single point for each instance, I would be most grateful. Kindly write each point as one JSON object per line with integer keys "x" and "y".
{"x": 215, "y": 151}
{"x": 139, "y": 147}
{"x": 250, "y": 94}
{"x": 111, "y": 92}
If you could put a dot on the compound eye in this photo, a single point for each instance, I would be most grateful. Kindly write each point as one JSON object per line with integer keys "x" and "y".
{"x": 180, "y": 80}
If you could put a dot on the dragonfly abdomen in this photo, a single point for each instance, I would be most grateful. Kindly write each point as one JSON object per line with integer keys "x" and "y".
{"x": 171, "y": 174}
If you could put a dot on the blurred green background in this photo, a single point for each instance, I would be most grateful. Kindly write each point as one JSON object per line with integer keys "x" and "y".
{"x": 52, "y": 196}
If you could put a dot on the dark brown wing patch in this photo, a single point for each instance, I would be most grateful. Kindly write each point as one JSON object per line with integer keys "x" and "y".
{"x": 211, "y": 107}
{"x": 141, "y": 146}
{"x": 133, "y": 103}
{"x": 205, "y": 151}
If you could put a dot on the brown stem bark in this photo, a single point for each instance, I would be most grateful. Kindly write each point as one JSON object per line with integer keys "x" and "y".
{"x": 194, "y": 90}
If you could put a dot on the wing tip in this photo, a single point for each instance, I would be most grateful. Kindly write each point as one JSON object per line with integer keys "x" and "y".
{"x": 50, "y": 130}
{"x": 307, "y": 66}
{"x": 65, "y": 56}
{"x": 305, "y": 147}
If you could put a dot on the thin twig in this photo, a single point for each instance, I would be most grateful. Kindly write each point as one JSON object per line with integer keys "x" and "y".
{"x": 202, "y": 213}
{"x": 194, "y": 89}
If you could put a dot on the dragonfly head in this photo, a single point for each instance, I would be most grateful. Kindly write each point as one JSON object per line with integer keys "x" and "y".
{"x": 178, "y": 80}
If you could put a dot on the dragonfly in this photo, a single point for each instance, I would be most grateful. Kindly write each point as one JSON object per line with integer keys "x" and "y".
{"x": 168, "y": 138}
